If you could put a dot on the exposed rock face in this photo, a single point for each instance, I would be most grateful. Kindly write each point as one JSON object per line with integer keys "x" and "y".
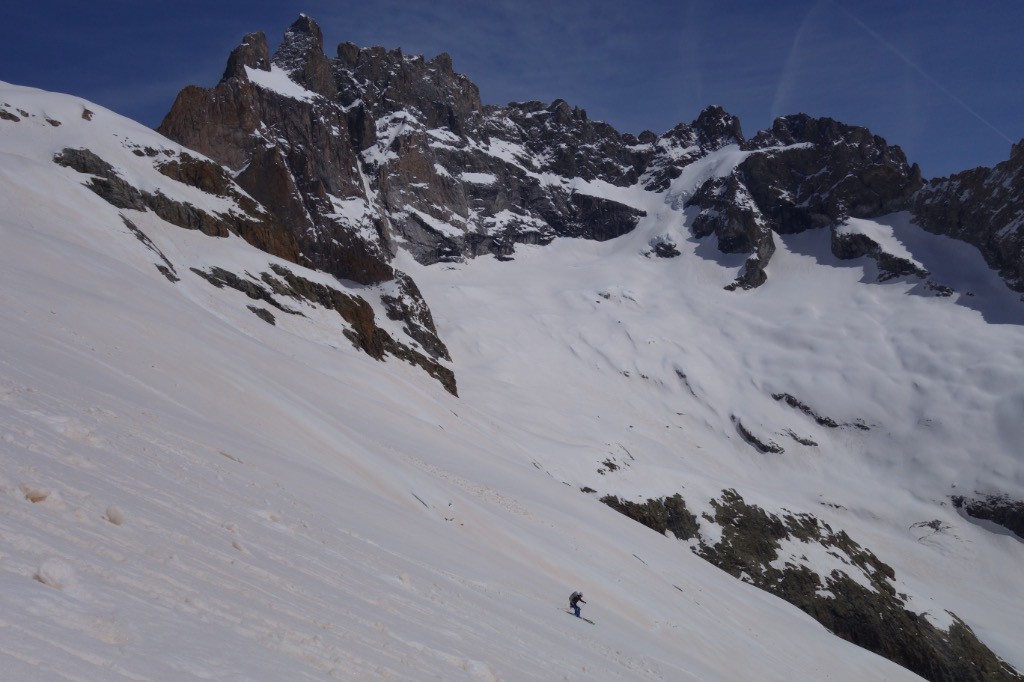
{"x": 984, "y": 207}
{"x": 286, "y": 152}
{"x": 728, "y": 211}
{"x": 259, "y": 228}
{"x": 364, "y": 334}
{"x": 379, "y": 149}
{"x": 825, "y": 172}
{"x": 378, "y": 82}
{"x": 301, "y": 54}
{"x": 373, "y": 150}
{"x": 999, "y": 509}
{"x": 666, "y": 156}
{"x": 668, "y": 514}
{"x": 798, "y": 404}
{"x": 406, "y": 303}
{"x": 858, "y": 603}
{"x": 848, "y": 246}
{"x": 804, "y": 173}
{"x": 253, "y": 52}
{"x": 716, "y": 128}
{"x": 564, "y": 141}
{"x": 770, "y": 447}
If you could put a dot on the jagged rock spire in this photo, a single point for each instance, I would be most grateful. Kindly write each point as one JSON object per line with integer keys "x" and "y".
{"x": 301, "y": 54}
{"x": 253, "y": 52}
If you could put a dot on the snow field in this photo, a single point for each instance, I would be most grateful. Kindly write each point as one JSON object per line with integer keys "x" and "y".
{"x": 643, "y": 356}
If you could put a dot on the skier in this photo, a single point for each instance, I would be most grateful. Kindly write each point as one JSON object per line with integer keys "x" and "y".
{"x": 575, "y": 599}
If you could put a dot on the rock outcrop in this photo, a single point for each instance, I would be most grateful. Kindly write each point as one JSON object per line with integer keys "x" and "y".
{"x": 999, "y": 509}
{"x": 858, "y": 602}
{"x": 984, "y": 207}
{"x": 816, "y": 172}
{"x": 804, "y": 173}
{"x": 255, "y": 225}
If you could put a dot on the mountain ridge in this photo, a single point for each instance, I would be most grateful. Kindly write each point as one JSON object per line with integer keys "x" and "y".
{"x": 440, "y": 215}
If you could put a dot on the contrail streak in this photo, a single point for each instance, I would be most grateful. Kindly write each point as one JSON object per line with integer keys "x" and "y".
{"x": 943, "y": 89}
{"x": 786, "y": 79}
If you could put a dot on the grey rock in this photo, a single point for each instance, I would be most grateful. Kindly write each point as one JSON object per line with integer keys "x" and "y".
{"x": 874, "y": 616}
{"x": 252, "y": 53}
{"x": 301, "y": 55}
{"x": 847, "y": 246}
{"x": 997, "y": 508}
{"x": 983, "y": 207}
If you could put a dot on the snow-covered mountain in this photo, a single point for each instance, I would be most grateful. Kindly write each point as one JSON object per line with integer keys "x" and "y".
{"x": 360, "y": 378}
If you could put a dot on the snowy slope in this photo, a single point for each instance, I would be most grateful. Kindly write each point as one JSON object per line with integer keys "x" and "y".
{"x": 650, "y": 363}
{"x": 189, "y": 492}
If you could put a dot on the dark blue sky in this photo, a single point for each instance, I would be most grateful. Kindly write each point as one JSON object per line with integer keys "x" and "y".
{"x": 942, "y": 79}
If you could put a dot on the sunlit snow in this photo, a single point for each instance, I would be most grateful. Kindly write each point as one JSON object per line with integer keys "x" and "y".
{"x": 189, "y": 492}
{"x": 277, "y": 80}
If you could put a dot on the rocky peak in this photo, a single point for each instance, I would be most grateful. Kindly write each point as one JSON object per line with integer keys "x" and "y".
{"x": 302, "y": 40}
{"x": 253, "y": 52}
{"x": 848, "y": 143}
{"x": 563, "y": 114}
{"x": 805, "y": 173}
{"x": 671, "y": 152}
{"x": 565, "y": 141}
{"x": 305, "y": 167}
{"x": 786, "y": 130}
{"x": 348, "y": 54}
{"x": 825, "y": 172}
{"x": 1017, "y": 150}
{"x": 442, "y": 63}
{"x": 682, "y": 134}
{"x": 647, "y": 137}
{"x": 387, "y": 81}
{"x": 715, "y": 128}
{"x": 301, "y": 54}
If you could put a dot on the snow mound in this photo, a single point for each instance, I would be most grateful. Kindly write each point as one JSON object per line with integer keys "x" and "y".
{"x": 56, "y": 573}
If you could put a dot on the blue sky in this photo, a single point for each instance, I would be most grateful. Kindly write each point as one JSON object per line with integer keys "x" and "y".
{"x": 942, "y": 79}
